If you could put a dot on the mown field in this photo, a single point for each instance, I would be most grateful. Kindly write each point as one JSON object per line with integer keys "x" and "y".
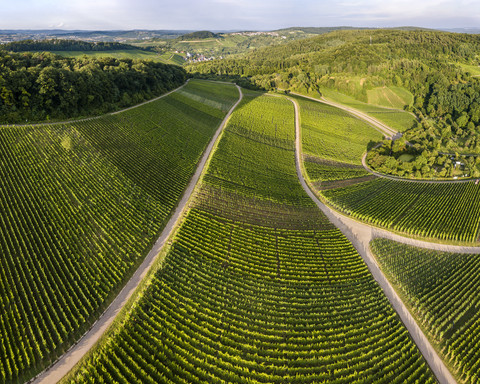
{"x": 118, "y": 54}
{"x": 258, "y": 285}
{"x": 81, "y": 205}
{"x": 441, "y": 290}
{"x": 449, "y": 212}
{"x": 390, "y": 97}
{"x": 397, "y": 119}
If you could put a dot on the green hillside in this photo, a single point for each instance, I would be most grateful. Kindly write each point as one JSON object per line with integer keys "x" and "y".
{"x": 440, "y": 288}
{"x": 430, "y": 73}
{"x": 258, "y": 286}
{"x": 42, "y": 86}
{"x": 81, "y": 205}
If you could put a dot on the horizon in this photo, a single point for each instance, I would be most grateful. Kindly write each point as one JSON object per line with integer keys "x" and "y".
{"x": 229, "y": 30}
{"x": 244, "y": 15}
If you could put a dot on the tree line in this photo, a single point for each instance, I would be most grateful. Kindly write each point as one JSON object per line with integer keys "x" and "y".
{"x": 426, "y": 63}
{"x": 64, "y": 45}
{"x": 43, "y": 86}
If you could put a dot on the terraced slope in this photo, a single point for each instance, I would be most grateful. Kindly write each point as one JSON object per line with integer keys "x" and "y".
{"x": 330, "y": 133}
{"x": 258, "y": 285}
{"x": 448, "y": 212}
{"x": 441, "y": 290}
{"x": 81, "y": 204}
{"x": 334, "y": 144}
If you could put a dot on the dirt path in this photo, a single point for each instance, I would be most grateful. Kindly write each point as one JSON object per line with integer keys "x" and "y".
{"x": 386, "y": 130}
{"x": 360, "y": 235}
{"x": 377, "y": 124}
{"x": 97, "y": 117}
{"x": 66, "y": 362}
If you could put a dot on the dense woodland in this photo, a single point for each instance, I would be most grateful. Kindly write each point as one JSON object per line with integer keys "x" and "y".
{"x": 199, "y": 35}
{"x": 63, "y": 45}
{"x": 430, "y": 64}
{"x": 44, "y": 86}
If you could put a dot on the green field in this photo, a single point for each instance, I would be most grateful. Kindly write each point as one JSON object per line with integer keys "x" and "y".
{"x": 330, "y": 133}
{"x": 406, "y": 157}
{"x": 318, "y": 170}
{"x": 395, "y": 118}
{"x": 81, "y": 205}
{"x": 167, "y": 58}
{"x": 390, "y": 97}
{"x": 474, "y": 70}
{"x": 242, "y": 302}
{"x": 119, "y": 54}
{"x": 441, "y": 290}
{"x": 447, "y": 212}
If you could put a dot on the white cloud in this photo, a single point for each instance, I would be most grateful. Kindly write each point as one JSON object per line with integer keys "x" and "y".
{"x": 234, "y": 14}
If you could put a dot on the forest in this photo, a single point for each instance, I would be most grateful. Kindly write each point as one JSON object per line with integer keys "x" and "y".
{"x": 44, "y": 86}
{"x": 434, "y": 66}
{"x": 63, "y": 45}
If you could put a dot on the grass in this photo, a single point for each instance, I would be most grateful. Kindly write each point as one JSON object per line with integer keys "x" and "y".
{"x": 118, "y": 54}
{"x": 390, "y": 97}
{"x": 397, "y": 119}
{"x": 474, "y": 70}
{"x": 406, "y": 157}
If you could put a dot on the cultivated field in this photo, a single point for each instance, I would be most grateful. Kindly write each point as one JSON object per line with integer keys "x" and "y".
{"x": 81, "y": 205}
{"x": 329, "y": 133}
{"x": 441, "y": 290}
{"x": 254, "y": 298}
{"x": 448, "y": 212}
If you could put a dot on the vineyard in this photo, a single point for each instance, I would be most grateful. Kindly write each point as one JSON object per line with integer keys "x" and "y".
{"x": 246, "y": 298}
{"x": 330, "y": 133}
{"x": 441, "y": 290}
{"x": 81, "y": 204}
{"x": 321, "y": 170}
{"x": 440, "y": 211}
{"x": 397, "y": 119}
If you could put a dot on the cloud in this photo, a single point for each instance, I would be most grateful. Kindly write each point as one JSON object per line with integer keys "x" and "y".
{"x": 235, "y": 14}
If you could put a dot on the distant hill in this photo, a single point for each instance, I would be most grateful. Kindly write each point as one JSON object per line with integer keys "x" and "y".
{"x": 119, "y": 36}
{"x": 323, "y": 30}
{"x": 63, "y": 45}
{"x": 199, "y": 35}
{"x": 472, "y": 30}
{"x": 315, "y": 30}
{"x": 425, "y": 63}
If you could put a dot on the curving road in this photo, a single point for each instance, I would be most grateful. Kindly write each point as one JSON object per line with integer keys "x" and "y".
{"x": 383, "y": 128}
{"x": 360, "y": 235}
{"x": 67, "y": 361}
{"x": 375, "y": 123}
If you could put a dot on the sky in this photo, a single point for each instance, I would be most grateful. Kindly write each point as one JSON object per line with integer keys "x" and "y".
{"x": 235, "y": 14}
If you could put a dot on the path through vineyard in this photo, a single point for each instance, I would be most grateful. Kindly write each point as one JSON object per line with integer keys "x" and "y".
{"x": 360, "y": 235}
{"x": 63, "y": 365}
